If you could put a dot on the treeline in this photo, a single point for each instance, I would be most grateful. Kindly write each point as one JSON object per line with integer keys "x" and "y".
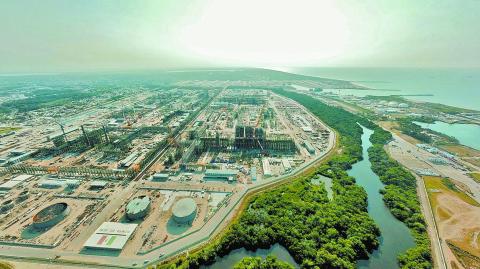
{"x": 400, "y": 185}
{"x": 400, "y": 196}
{"x": 416, "y": 131}
{"x": 317, "y": 232}
{"x": 270, "y": 262}
{"x": 408, "y": 127}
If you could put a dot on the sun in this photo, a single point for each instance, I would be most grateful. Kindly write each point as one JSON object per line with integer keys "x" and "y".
{"x": 259, "y": 32}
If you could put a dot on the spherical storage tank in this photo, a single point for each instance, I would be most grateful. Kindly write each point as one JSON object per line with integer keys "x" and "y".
{"x": 185, "y": 210}
{"x": 138, "y": 208}
{"x": 50, "y": 215}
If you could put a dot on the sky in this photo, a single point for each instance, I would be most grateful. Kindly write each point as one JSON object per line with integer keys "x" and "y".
{"x": 68, "y": 35}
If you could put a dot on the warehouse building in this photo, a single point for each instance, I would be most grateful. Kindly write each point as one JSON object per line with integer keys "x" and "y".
{"x": 12, "y": 183}
{"x": 98, "y": 184}
{"x": 160, "y": 177}
{"x": 111, "y": 236}
{"x": 220, "y": 174}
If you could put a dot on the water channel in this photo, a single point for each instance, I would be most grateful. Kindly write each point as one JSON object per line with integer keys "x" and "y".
{"x": 395, "y": 238}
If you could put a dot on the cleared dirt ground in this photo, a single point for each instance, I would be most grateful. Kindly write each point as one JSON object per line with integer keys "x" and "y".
{"x": 458, "y": 220}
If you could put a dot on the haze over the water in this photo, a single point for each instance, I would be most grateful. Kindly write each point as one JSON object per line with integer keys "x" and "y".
{"x": 58, "y": 35}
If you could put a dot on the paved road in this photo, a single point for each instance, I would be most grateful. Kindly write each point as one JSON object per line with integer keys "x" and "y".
{"x": 212, "y": 227}
{"x": 403, "y": 152}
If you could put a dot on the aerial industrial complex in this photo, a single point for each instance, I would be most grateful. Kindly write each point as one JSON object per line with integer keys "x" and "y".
{"x": 142, "y": 174}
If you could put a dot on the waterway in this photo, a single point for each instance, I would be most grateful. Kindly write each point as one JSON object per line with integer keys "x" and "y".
{"x": 467, "y": 134}
{"x": 449, "y": 86}
{"x": 395, "y": 236}
{"x": 237, "y": 255}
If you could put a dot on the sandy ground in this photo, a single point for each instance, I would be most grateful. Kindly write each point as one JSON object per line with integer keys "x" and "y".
{"x": 457, "y": 213}
{"x": 458, "y": 222}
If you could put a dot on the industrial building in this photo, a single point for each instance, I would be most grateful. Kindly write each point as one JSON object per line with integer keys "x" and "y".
{"x": 309, "y": 147}
{"x": 59, "y": 183}
{"x": 220, "y": 174}
{"x": 12, "y": 183}
{"x": 267, "y": 171}
{"x": 111, "y": 236}
{"x": 160, "y": 177}
{"x": 98, "y": 184}
{"x": 138, "y": 208}
{"x": 50, "y": 216}
{"x": 184, "y": 211}
{"x": 286, "y": 165}
{"x": 248, "y": 138}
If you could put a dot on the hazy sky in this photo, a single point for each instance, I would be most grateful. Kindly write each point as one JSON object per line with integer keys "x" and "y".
{"x": 68, "y": 35}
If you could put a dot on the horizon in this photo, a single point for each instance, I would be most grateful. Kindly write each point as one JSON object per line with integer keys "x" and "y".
{"x": 50, "y": 36}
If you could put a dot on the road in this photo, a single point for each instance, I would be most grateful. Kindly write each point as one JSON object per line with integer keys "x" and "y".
{"x": 403, "y": 152}
{"x": 213, "y": 226}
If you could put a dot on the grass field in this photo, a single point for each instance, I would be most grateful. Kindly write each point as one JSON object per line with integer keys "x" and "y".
{"x": 4, "y": 265}
{"x": 475, "y": 162}
{"x": 4, "y": 130}
{"x": 475, "y": 176}
{"x": 437, "y": 184}
{"x": 461, "y": 150}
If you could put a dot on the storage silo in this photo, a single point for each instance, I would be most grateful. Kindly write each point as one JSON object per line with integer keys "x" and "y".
{"x": 184, "y": 211}
{"x": 50, "y": 216}
{"x": 138, "y": 208}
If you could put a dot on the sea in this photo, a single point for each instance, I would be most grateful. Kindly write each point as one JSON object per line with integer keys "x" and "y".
{"x": 453, "y": 87}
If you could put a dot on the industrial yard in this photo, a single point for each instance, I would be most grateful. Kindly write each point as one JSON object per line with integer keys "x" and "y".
{"x": 137, "y": 177}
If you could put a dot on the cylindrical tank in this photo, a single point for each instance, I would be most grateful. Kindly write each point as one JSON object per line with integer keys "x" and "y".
{"x": 184, "y": 211}
{"x": 22, "y": 196}
{"x": 138, "y": 208}
{"x": 6, "y": 206}
{"x": 50, "y": 216}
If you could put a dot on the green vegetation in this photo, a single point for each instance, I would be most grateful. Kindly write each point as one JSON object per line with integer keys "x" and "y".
{"x": 5, "y": 265}
{"x": 437, "y": 185}
{"x": 317, "y": 232}
{"x": 409, "y": 128}
{"x": 300, "y": 217}
{"x": 400, "y": 191}
{"x": 475, "y": 176}
{"x": 449, "y": 184}
{"x": 400, "y": 196}
{"x": 270, "y": 262}
{"x": 4, "y": 130}
{"x": 447, "y": 109}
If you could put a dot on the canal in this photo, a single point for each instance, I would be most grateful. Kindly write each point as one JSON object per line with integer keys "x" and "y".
{"x": 395, "y": 238}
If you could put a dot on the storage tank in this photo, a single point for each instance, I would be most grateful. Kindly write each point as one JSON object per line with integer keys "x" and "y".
{"x": 6, "y": 206}
{"x": 138, "y": 208}
{"x": 50, "y": 216}
{"x": 184, "y": 211}
{"x": 23, "y": 196}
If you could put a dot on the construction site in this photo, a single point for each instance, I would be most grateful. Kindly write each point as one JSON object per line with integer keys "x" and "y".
{"x": 132, "y": 182}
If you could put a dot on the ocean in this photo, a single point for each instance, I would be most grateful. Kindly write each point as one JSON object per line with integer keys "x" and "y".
{"x": 454, "y": 87}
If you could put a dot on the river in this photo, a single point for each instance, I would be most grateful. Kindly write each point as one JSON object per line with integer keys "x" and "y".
{"x": 235, "y": 256}
{"x": 395, "y": 238}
